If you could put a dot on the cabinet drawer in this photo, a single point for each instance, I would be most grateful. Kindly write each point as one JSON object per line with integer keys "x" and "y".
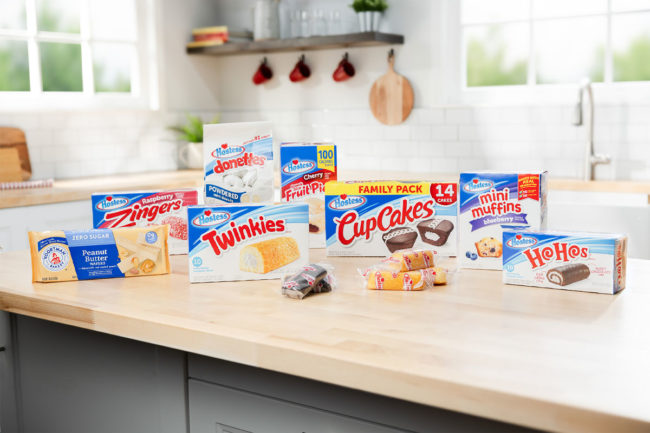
{"x": 218, "y": 408}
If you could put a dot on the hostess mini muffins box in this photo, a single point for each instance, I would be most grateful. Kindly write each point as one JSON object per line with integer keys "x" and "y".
{"x": 488, "y": 201}
{"x": 589, "y": 262}
{"x": 238, "y": 162}
{"x": 247, "y": 242}
{"x": 305, "y": 168}
{"x": 146, "y": 208}
{"x": 377, "y": 218}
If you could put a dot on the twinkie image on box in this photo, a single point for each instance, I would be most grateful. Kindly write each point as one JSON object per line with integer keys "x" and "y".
{"x": 380, "y": 217}
{"x": 146, "y": 208}
{"x": 305, "y": 168}
{"x": 590, "y": 262}
{"x": 247, "y": 242}
{"x": 488, "y": 202}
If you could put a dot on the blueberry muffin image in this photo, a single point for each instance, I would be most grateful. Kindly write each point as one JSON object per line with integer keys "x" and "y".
{"x": 488, "y": 247}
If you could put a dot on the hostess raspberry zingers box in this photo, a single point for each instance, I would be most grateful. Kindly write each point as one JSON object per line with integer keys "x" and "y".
{"x": 305, "y": 168}
{"x": 489, "y": 201}
{"x": 381, "y": 217}
{"x": 247, "y": 242}
{"x": 147, "y": 208}
{"x": 590, "y": 262}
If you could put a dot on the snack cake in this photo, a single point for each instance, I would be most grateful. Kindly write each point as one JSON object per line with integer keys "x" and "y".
{"x": 146, "y": 208}
{"x": 590, "y": 262}
{"x": 487, "y": 202}
{"x": 247, "y": 242}
{"x": 380, "y": 217}
{"x": 305, "y": 168}
{"x": 99, "y": 253}
{"x": 238, "y": 162}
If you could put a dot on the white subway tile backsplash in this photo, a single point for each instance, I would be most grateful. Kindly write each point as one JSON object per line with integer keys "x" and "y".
{"x": 444, "y": 132}
{"x": 420, "y": 132}
{"x": 459, "y": 116}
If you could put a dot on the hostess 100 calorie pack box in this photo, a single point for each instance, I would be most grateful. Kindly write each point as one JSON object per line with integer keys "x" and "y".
{"x": 147, "y": 208}
{"x": 490, "y": 201}
{"x": 305, "y": 168}
{"x": 591, "y": 262}
{"x": 247, "y": 242}
{"x": 378, "y": 218}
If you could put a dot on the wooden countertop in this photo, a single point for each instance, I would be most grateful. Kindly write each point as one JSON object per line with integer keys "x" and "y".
{"x": 82, "y": 188}
{"x": 549, "y": 359}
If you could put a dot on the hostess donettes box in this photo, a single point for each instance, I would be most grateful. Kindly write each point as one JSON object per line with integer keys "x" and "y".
{"x": 247, "y": 242}
{"x": 305, "y": 168}
{"x": 591, "y": 262}
{"x": 488, "y": 201}
{"x": 380, "y": 217}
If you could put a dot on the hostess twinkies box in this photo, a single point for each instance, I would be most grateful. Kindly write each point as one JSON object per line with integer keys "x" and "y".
{"x": 487, "y": 202}
{"x": 238, "y": 162}
{"x": 380, "y": 217}
{"x": 589, "y": 262}
{"x": 305, "y": 168}
{"x": 146, "y": 208}
{"x": 247, "y": 242}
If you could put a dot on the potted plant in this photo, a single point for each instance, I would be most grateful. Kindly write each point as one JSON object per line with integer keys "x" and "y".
{"x": 369, "y": 13}
{"x": 190, "y": 154}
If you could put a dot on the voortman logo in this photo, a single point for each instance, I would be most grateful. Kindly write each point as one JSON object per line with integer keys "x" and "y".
{"x": 519, "y": 241}
{"x": 112, "y": 203}
{"x": 478, "y": 185}
{"x": 225, "y": 151}
{"x": 210, "y": 218}
{"x": 297, "y": 166}
{"x": 345, "y": 202}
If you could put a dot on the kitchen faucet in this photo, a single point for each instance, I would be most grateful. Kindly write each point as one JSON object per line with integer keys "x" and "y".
{"x": 591, "y": 159}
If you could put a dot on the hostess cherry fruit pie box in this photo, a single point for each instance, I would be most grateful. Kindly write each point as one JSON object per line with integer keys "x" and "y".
{"x": 590, "y": 262}
{"x": 247, "y": 242}
{"x": 144, "y": 209}
{"x": 238, "y": 160}
{"x": 489, "y": 201}
{"x": 305, "y": 168}
{"x": 380, "y": 217}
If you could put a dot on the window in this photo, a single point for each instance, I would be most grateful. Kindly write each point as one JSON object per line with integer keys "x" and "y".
{"x": 535, "y": 43}
{"x": 68, "y": 50}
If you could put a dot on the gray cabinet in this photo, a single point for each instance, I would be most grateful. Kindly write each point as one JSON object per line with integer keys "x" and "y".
{"x": 8, "y": 409}
{"x": 78, "y": 381}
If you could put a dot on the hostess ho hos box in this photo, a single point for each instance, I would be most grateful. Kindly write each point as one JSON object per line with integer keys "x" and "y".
{"x": 247, "y": 242}
{"x": 305, "y": 168}
{"x": 238, "y": 162}
{"x": 489, "y": 201}
{"x": 590, "y": 262}
{"x": 380, "y": 217}
{"x": 147, "y": 208}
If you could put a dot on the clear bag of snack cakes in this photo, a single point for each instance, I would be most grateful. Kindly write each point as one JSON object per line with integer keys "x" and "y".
{"x": 408, "y": 270}
{"x": 310, "y": 279}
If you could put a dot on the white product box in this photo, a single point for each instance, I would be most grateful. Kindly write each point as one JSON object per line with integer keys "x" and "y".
{"x": 247, "y": 242}
{"x": 238, "y": 162}
{"x": 590, "y": 262}
{"x": 488, "y": 203}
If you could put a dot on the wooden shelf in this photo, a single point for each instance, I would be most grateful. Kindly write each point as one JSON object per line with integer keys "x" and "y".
{"x": 365, "y": 39}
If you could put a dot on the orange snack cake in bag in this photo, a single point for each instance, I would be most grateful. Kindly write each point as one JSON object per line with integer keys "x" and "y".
{"x": 378, "y": 279}
{"x": 410, "y": 260}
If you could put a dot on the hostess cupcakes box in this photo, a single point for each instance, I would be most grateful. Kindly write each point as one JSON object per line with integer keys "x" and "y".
{"x": 489, "y": 202}
{"x": 590, "y": 262}
{"x": 380, "y": 217}
{"x": 305, "y": 168}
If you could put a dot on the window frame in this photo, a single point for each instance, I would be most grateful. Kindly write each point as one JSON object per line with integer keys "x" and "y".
{"x": 143, "y": 70}
{"x": 608, "y": 91}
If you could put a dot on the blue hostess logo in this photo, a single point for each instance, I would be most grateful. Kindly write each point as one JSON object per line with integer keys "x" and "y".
{"x": 521, "y": 241}
{"x": 297, "y": 166}
{"x": 111, "y": 203}
{"x": 478, "y": 185}
{"x": 345, "y": 202}
{"x": 226, "y": 151}
{"x": 210, "y": 218}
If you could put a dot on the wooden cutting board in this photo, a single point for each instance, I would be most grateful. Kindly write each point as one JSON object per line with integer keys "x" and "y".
{"x": 391, "y": 96}
{"x": 14, "y": 157}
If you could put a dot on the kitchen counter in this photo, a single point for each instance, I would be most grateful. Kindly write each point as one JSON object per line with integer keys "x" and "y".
{"x": 549, "y": 359}
{"x": 82, "y": 188}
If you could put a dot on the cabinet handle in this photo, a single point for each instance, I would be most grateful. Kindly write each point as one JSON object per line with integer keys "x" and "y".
{"x": 2, "y": 349}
